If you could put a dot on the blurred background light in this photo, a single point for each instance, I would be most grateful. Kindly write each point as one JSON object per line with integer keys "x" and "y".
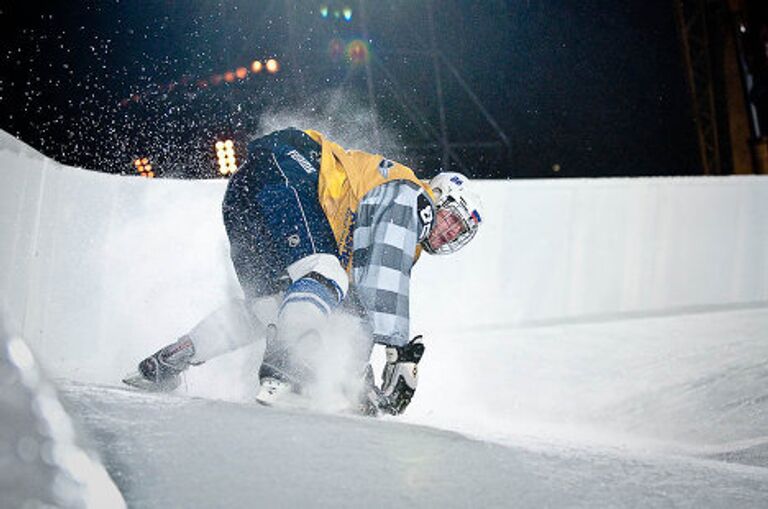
{"x": 358, "y": 52}
{"x": 336, "y": 49}
{"x": 272, "y": 66}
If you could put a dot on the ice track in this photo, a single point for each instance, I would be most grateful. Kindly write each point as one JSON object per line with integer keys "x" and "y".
{"x": 607, "y": 347}
{"x": 559, "y": 417}
{"x": 165, "y": 450}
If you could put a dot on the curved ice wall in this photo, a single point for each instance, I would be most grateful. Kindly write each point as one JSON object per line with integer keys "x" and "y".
{"x": 96, "y": 266}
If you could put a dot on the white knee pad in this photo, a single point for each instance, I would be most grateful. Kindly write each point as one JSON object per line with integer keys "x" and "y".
{"x": 327, "y": 265}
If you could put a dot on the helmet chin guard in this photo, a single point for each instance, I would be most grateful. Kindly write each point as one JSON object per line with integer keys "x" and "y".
{"x": 457, "y": 214}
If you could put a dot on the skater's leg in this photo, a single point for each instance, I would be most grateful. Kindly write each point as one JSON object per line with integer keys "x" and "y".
{"x": 251, "y": 247}
{"x": 233, "y": 325}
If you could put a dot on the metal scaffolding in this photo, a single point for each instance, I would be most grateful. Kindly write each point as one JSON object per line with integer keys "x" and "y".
{"x": 691, "y": 18}
{"x": 438, "y": 136}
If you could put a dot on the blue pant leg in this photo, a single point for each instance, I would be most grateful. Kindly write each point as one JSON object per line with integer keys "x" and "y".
{"x": 291, "y": 208}
{"x": 252, "y": 249}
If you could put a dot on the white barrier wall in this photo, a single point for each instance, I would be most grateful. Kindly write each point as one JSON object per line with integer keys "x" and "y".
{"x": 128, "y": 262}
{"x": 123, "y": 262}
{"x": 555, "y": 250}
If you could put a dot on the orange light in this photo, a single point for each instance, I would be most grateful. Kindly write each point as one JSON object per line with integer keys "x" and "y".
{"x": 272, "y": 66}
{"x": 142, "y": 165}
{"x": 256, "y": 66}
{"x": 241, "y": 72}
{"x": 229, "y": 76}
{"x": 150, "y": 174}
{"x": 358, "y": 52}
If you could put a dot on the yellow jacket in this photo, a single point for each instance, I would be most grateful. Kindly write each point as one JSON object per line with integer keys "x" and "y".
{"x": 345, "y": 177}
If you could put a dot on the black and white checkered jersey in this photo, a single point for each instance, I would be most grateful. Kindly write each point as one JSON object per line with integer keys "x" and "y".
{"x": 387, "y": 229}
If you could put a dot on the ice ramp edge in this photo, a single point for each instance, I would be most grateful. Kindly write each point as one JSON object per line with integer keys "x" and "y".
{"x": 45, "y": 462}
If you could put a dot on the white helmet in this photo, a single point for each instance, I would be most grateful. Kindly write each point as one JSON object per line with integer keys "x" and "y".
{"x": 458, "y": 214}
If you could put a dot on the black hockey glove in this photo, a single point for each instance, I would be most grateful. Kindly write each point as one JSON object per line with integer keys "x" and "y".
{"x": 400, "y": 376}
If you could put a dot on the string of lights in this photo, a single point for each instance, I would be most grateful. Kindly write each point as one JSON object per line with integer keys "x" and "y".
{"x": 270, "y": 65}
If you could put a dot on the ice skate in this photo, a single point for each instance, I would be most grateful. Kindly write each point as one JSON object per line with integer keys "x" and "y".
{"x": 277, "y": 389}
{"x": 160, "y": 371}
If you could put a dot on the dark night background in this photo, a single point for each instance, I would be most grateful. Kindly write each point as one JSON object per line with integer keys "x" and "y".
{"x": 591, "y": 88}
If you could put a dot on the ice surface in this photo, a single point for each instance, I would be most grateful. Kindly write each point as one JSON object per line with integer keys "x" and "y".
{"x": 692, "y": 384}
{"x": 564, "y": 364}
{"x": 174, "y": 451}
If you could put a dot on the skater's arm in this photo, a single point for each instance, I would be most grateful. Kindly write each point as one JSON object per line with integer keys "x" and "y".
{"x": 385, "y": 238}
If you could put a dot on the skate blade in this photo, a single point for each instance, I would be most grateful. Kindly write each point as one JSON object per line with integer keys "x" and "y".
{"x": 137, "y": 381}
{"x": 276, "y": 393}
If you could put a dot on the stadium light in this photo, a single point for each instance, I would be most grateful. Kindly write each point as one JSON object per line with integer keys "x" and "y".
{"x": 144, "y": 167}
{"x": 336, "y": 12}
{"x": 225, "y": 154}
{"x": 256, "y": 66}
{"x": 272, "y": 66}
{"x": 241, "y": 73}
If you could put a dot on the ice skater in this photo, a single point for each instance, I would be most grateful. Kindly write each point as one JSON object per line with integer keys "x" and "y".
{"x": 314, "y": 230}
